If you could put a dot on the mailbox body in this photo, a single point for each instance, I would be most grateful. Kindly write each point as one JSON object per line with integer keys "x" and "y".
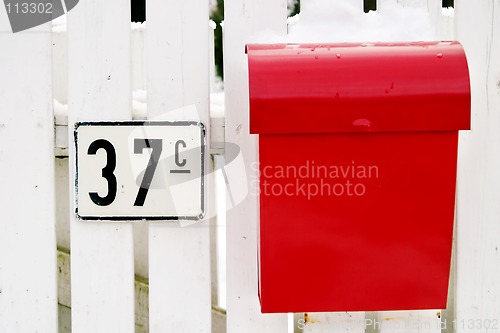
{"x": 357, "y": 167}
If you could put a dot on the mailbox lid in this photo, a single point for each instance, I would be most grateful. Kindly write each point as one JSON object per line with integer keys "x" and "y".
{"x": 381, "y": 87}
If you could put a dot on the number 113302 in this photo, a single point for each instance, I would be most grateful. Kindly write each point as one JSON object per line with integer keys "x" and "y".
{"x": 139, "y": 170}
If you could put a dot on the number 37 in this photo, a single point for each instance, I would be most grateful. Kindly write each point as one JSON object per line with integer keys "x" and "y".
{"x": 108, "y": 171}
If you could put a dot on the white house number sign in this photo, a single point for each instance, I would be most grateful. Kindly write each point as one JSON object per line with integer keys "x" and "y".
{"x": 139, "y": 170}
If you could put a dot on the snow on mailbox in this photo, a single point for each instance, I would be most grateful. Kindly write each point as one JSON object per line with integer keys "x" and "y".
{"x": 357, "y": 172}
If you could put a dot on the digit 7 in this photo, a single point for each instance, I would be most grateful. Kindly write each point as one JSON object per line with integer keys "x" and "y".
{"x": 139, "y": 146}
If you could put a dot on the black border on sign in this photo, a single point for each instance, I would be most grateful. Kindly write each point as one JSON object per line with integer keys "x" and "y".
{"x": 143, "y": 123}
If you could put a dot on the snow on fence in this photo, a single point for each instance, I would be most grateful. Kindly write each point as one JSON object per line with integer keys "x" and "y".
{"x": 107, "y": 64}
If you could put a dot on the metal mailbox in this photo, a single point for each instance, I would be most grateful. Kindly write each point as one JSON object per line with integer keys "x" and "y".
{"x": 357, "y": 160}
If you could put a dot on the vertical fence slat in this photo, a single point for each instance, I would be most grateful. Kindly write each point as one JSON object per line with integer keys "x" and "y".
{"x": 477, "y": 27}
{"x": 414, "y": 321}
{"x": 178, "y": 76}
{"x": 102, "y": 267}
{"x": 334, "y": 322}
{"x": 445, "y": 31}
{"x": 242, "y": 19}
{"x": 28, "y": 293}
{"x": 435, "y": 8}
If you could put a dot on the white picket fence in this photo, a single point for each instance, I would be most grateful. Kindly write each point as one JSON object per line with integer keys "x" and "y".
{"x": 159, "y": 277}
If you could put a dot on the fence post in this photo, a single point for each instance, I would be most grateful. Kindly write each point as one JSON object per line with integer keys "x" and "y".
{"x": 333, "y": 322}
{"x": 477, "y": 26}
{"x": 178, "y": 81}
{"x": 242, "y": 19}
{"x": 102, "y": 263}
{"x": 28, "y": 287}
{"x": 428, "y": 320}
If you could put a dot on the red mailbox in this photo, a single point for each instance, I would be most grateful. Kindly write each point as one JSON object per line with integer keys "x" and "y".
{"x": 357, "y": 160}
